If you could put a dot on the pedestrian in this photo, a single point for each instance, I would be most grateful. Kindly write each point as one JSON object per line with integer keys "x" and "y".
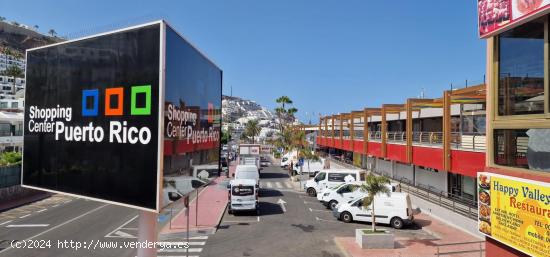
{"x": 290, "y": 168}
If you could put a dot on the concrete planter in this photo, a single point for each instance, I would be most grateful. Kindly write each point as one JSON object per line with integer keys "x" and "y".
{"x": 385, "y": 240}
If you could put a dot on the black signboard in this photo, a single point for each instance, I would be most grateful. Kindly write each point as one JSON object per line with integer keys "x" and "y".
{"x": 94, "y": 112}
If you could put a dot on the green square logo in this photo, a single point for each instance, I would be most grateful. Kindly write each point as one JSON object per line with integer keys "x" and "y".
{"x": 141, "y": 100}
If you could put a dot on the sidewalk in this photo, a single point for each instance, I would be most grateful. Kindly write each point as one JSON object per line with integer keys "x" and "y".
{"x": 411, "y": 247}
{"x": 212, "y": 202}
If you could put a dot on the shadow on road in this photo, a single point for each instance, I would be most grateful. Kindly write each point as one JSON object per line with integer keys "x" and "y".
{"x": 264, "y": 192}
{"x": 273, "y": 175}
{"x": 267, "y": 208}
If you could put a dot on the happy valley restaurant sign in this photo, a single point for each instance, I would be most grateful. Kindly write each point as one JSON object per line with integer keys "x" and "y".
{"x": 515, "y": 212}
{"x": 495, "y": 16}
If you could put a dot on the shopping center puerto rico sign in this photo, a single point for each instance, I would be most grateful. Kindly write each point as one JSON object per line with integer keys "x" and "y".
{"x": 515, "y": 212}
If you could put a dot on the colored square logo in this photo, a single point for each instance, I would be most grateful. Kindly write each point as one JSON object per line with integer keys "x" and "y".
{"x": 90, "y": 102}
{"x": 114, "y": 101}
{"x": 141, "y": 100}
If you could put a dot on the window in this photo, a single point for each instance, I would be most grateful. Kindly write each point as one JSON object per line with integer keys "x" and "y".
{"x": 320, "y": 176}
{"x": 521, "y": 70}
{"x": 14, "y": 105}
{"x": 523, "y": 148}
{"x": 3, "y": 105}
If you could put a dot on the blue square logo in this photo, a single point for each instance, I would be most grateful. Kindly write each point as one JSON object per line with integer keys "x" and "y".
{"x": 90, "y": 102}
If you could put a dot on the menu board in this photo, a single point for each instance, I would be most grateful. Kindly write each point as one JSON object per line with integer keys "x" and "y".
{"x": 495, "y": 16}
{"x": 515, "y": 212}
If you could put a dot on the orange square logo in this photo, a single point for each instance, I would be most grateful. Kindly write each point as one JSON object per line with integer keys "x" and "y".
{"x": 114, "y": 101}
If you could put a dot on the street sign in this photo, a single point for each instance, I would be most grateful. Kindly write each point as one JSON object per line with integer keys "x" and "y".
{"x": 111, "y": 117}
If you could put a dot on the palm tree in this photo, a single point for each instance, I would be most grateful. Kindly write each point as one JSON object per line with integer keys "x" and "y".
{"x": 373, "y": 186}
{"x": 52, "y": 32}
{"x": 252, "y": 129}
{"x": 15, "y": 72}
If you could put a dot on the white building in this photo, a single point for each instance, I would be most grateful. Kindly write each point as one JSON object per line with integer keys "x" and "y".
{"x": 9, "y": 60}
{"x": 6, "y": 85}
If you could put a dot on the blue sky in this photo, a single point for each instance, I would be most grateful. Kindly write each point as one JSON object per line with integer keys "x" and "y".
{"x": 328, "y": 56}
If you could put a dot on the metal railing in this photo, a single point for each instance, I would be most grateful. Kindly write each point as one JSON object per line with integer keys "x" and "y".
{"x": 399, "y": 137}
{"x": 459, "y": 141}
{"x": 458, "y": 204}
{"x": 468, "y": 141}
{"x": 480, "y": 250}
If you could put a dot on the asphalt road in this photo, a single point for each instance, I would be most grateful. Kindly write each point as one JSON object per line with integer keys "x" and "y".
{"x": 303, "y": 228}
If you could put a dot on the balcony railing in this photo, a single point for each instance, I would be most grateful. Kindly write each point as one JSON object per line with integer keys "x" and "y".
{"x": 459, "y": 141}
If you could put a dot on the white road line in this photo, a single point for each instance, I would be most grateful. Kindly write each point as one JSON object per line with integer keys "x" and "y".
{"x": 258, "y": 218}
{"x": 121, "y": 226}
{"x": 4, "y": 223}
{"x": 199, "y": 238}
{"x": 288, "y": 185}
{"x": 279, "y": 185}
{"x": 319, "y": 219}
{"x": 55, "y": 205}
{"x": 269, "y": 185}
{"x": 180, "y": 250}
{"x": 24, "y": 216}
{"x": 312, "y": 210}
{"x": 42, "y": 210}
{"x": 58, "y": 226}
{"x": 27, "y": 225}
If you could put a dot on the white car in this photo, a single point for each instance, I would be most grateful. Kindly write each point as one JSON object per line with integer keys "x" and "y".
{"x": 341, "y": 194}
{"x": 309, "y": 167}
{"x": 395, "y": 209}
{"x": 331, "y": 177}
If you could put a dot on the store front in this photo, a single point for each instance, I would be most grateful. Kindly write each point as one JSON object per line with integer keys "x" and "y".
{"x": 518, "y": 126}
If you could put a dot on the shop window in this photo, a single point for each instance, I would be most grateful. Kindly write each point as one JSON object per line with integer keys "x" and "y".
{"x": 521, "y": 70}
{"x": 523, "y": 148}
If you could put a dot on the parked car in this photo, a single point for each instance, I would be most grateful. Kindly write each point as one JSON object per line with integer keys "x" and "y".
{"x": 331, "y": 177}
{"x": 181, "y": 185}
{"x": 340, "y": 194}
{"x": 343, "y": 193}
{"x": 264, "y": 162}
{"x": 243, "y": 195}
{"x": 395, "y": 210}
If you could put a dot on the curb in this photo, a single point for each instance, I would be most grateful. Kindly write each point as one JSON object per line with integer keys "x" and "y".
{"x": 35, "y": 197}
{"x": 341, "y": 248}
{"x": 220, "y": 219}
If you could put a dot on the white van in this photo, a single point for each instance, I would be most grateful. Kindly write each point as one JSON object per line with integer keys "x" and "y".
{"x": 309, "y": 167}
{"x": 330, "y": 178}
{"x": 395, "y": 210}
{"x": 343, "y": 193}
{"x": 245, "y": 171}
{"x": 289, "y": 157}
{"x": 243, "y": 195}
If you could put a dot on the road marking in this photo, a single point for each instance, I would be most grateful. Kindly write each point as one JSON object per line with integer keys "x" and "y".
{"x": 199, "y": 238}
{"x": 282, "y": 203}
{"x": 27, "y": 225}
{"x": 288, "y": 185}
{"x": 24, "y": 216}
{"x": 5, "y": 222}
{"x": 121, "y": 226}
{"x": 55, "y": 205}
{"x": 269, "y": 185}
{"x": 319, "y": 219}
{"x": 41, "y": 210}
{"x": 180, "y": 250}
{"x": 58, "y": 226}
{"x": 124, "y": 234}
{"x": 258, "y": 218}
{"x": 312, "y": 210}
{"x": 279, "y": 185}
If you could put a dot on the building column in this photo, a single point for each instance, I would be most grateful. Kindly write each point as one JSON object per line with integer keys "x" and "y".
{"x": 384, "y": 128}
{"x": 409, "y": 130}
{"x": 447, "y": 130}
